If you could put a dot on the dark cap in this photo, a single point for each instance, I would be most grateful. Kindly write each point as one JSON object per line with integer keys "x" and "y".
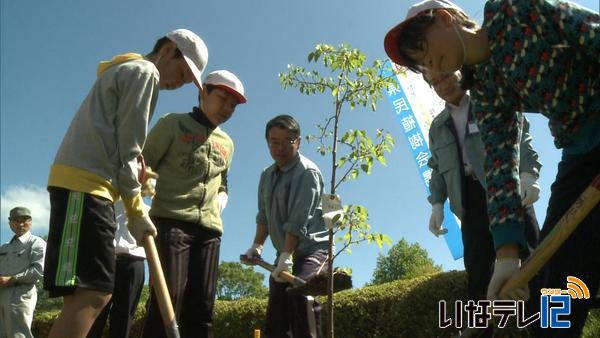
{"x": 20, "y": 212}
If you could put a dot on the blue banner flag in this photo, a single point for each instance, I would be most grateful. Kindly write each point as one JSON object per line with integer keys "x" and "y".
{"x": 415, "y": 105}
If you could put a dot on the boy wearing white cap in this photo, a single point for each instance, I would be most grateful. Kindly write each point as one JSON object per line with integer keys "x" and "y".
{"x": 96, "y": 165}
{"x": 192, "y": 156}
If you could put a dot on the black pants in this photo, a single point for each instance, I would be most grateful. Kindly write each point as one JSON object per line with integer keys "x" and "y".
{"x": 479, "y": 253}
{"x": 190, "y": 260}
{"x": 298, "y": 314}
{"x": 81, "y": 250}
{"x": 129, "y": 281}
{"x": 579, "y": 256}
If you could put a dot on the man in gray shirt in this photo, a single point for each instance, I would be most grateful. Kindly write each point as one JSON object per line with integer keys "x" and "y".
{"x": 289, "y": 210}
{"x": 457, "y": 163}
{"x": 21, "y": 266}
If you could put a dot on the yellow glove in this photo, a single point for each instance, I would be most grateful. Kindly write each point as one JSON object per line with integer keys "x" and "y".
{"x": 149, "y": 185}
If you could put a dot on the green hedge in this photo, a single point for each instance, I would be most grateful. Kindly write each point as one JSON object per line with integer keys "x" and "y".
{"x": 405, "y": 308}
{"x": 42, "y": 321}
{"x": 239, "y": 318}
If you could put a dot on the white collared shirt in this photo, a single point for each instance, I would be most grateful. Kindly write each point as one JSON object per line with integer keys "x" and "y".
{"x": 24, "y": 237}
{"x": 460, "y": 116}
{"x": 124, "y": 241}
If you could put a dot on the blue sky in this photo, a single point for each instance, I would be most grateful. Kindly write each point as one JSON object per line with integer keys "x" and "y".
{"x": 49, "y": 53}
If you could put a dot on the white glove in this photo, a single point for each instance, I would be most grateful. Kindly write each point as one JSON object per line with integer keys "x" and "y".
{"x": 222, "y": 199}
{"x": 436, "y": 220}
{"x": 530, "y": 189}
{"x": 140, "y": 226}
{"x": 284, "y": 263}
{"x": 504, "y": 268}
{"x": 254, "y": 251}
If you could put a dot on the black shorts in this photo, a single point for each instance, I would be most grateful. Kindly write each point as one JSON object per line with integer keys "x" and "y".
{"x": 80, "y": 251}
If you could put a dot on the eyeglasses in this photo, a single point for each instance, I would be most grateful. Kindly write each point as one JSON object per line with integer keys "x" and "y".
{"x": 20, "y": 219}
{"x": 286, "y": 143}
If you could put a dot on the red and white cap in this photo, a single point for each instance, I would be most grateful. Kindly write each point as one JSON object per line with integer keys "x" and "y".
{"x": 227, "y": 81}
{"x": 194, "y": 51}
{"x": 392, "y": 38}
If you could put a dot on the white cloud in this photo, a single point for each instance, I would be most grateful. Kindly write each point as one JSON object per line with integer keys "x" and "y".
{"x": 35, "y": 198}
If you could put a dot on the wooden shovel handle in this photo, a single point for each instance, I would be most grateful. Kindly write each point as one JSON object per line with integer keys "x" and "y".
{"x": 588, "y": 199}
{"x": 160, "y": 288}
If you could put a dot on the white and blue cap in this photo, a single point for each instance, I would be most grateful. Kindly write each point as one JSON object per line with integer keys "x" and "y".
{"x": 194, "y": 51}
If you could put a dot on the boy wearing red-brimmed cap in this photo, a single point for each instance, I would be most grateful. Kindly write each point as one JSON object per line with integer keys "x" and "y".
{"x": 192, "y": 155}
{"x": 96, "y": 165}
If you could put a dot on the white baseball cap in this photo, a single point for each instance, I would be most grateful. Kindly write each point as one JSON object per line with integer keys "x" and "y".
{"x": 227, "y": 81}
{"x": 390, "y": 42}
{"x": 194, "y": 51}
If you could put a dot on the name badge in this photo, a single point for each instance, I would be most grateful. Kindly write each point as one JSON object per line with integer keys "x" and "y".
{"x": 473, "y": 128}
